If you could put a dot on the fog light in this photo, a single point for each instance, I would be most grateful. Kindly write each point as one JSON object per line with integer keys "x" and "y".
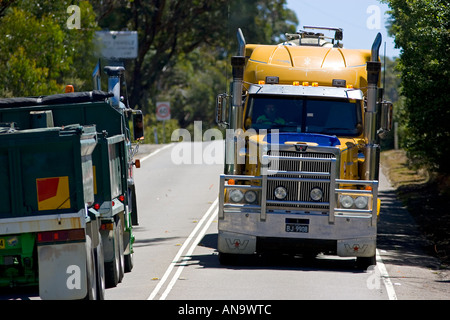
{"x": 280, "y": 193}
{"x": 361, "y": 202}
{"x": 236, "y": 195}
{"x": 346, "y": 201}
{"x": 316, "y": 194}
{"x": 250, "y": 196}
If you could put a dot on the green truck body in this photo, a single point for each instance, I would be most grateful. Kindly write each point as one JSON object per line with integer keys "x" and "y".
{"x": 48, "y": 169}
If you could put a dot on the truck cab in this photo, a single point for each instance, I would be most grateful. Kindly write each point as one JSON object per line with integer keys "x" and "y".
{"x": 301, "y": 169}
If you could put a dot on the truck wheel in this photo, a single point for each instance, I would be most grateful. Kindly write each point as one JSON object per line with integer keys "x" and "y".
{"x": 134, "y": 213}
{"x": 228, "y": 258}
{"x": 91, "y": 271}
{"x": 129, "y": 263}
{"x": 114, "y": 269}
{"x": 363, "y": 263}
{"x": 100, "y": 267}
{"x": 119, "y": 229}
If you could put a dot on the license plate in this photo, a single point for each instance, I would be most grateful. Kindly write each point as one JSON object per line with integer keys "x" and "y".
{"x": 2, "y": 244}
{"x": 297, "y": 225}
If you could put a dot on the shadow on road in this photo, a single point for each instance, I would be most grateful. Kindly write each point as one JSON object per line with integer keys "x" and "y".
{"x": 274, "y": 261}
{"x": 398, "y": 239}
{"x": 398, "y": 234}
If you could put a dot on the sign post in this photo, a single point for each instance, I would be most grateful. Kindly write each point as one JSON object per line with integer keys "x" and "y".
{"x": 163, "y": 114}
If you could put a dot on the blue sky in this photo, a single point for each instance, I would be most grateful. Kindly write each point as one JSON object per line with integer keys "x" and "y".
{"x": 360, "y": 19}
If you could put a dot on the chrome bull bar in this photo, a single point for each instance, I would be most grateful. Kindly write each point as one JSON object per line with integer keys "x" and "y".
{"x": 335, "y": 189}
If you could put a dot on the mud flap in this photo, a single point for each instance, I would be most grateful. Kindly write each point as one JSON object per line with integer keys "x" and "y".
{"x": 62, "y": 271}
{"x": 364, "y": 247}
{"x": 236, "y": 243}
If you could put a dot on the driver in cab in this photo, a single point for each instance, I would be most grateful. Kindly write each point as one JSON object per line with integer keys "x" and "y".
{"x": 270, "y": 116}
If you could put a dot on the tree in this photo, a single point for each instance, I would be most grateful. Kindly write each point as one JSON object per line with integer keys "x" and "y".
{"x": 422, "y": 31}
{"x": 171, "y": 32}
{"x": 40, "y": 54}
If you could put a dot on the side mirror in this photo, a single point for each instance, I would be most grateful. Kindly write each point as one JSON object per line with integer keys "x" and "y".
{"x": 221, "y": 110}
{"x": 138, "y": 125}
{"x": 386, "y": 118}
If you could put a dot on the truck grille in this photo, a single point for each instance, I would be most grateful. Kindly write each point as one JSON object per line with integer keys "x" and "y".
{"x": 299, "y": 190}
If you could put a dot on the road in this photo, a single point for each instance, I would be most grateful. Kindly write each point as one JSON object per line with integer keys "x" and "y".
{"x": 176, "y": 258}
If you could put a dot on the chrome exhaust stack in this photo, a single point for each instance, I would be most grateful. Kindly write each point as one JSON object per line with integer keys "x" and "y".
{"x": 372, "y": 148}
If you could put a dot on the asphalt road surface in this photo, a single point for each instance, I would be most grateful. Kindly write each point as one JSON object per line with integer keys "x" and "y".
{"x": 176, "y": 257}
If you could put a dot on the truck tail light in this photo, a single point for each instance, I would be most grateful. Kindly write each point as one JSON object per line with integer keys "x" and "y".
{"x": 107, "y": 226}
{"x": 61, "y": 236}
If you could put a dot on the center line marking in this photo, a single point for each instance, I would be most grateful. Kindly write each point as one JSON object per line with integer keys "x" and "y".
{"x": 183, "y": 247}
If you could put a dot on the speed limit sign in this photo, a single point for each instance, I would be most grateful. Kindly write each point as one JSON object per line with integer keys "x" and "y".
{"x": 162, "y": 111}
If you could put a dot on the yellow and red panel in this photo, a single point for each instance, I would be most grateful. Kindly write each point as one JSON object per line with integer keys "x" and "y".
{"x": 53, "y": 193}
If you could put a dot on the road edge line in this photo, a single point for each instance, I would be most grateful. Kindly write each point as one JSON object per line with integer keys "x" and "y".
{"x": 386, "y": 278}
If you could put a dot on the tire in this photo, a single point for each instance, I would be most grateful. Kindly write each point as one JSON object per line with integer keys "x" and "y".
{"x": 134, "y": 212}
{"x": 363, "y": 263}
{"x": 119, "y": 228}
{"x": 228, "y": 258}
{"x": 91, "y": 271}
{"x": 129, "y": 263}
{"x": 100, "y": 270}
{"x": 115, "y": 269}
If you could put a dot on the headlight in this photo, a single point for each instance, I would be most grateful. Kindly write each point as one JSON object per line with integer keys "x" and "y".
{"x": 250, "y": 196}
{"x": 236, "y": 195}
{"x": 346, "y": 201}
{"x": 280, "y": 193}
{"x": 361, "y": 202}
{"x": 316, "y": 194}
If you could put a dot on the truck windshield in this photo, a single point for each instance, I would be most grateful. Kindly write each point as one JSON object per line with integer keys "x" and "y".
{"x": 304, "y": 114}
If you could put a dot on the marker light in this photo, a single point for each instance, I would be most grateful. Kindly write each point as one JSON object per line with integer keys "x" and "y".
{"x": 69, "y": 88}
{"x": 261, "y": 82}
{"x": 305, "y": 83}
{"x": 349, "y": 86}
{"x": 96, "y": 206}
{"x": 315, "y": 84}
{"x": 296, "y": 83}
{"x": 121, "y": 198}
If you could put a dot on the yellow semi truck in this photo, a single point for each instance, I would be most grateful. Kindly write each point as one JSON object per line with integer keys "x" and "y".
{"x": 302, "y": 149}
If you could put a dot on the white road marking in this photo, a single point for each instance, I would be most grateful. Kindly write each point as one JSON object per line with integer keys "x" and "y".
{"x": 385, "y": 277}
{"x": 180, "y": 252}
{"x": 156, "y": 152}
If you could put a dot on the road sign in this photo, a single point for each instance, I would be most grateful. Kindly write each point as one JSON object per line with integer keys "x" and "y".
{"x": 162, "y": 111}
{"x": 118, "y": 44}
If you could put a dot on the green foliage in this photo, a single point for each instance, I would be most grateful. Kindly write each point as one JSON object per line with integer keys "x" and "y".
{"x": 422, "y": 31}
{"x": 39, "y": 55}
{"x": 185, "y": 47}
{"x": 183, "y": 56}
